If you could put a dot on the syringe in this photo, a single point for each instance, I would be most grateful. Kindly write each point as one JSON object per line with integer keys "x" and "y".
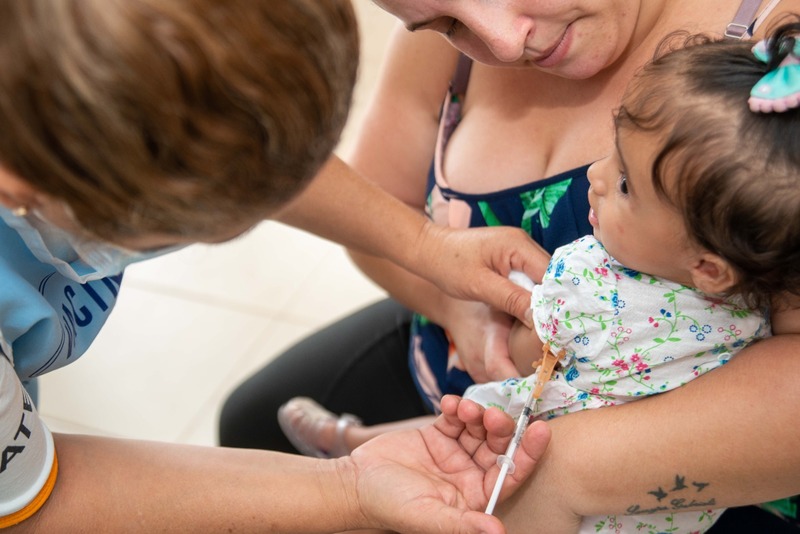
{"x": 506, "y": 461}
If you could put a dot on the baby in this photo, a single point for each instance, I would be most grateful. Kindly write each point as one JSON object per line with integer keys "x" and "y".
{"x": 696, "y": 236}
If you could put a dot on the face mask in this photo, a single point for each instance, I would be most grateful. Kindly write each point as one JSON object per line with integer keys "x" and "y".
{"x": 78, "y": 258}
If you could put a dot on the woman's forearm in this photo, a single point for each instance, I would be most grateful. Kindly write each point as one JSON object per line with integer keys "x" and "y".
{"x": 111, "y": 485}
{"x": 728, "y": 438}
{"x": 466, "y": 264}
{"x": 443, "y": 472}
{"x": 342, "y": 206}
{"x": 407, "y": 288}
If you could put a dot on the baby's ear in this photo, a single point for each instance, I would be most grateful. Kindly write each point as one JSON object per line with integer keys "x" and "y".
{"x": 712, "y": 274}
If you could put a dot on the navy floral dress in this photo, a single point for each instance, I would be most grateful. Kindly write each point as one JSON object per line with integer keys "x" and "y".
{"x": 553, "y": 211}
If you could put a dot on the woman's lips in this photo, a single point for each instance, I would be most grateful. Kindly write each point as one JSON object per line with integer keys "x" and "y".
{"x": 556, "y": 53}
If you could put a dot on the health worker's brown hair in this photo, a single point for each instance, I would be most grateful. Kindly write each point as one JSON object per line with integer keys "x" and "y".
{"x": 172, "y": 116}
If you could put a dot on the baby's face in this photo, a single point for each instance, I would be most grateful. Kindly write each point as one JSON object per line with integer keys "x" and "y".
{"x": 638, "y": 228}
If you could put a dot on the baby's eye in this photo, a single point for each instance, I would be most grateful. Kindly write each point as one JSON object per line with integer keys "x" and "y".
{"x": 623, "y": 183}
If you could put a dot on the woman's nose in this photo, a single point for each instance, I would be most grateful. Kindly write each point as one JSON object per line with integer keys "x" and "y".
{"x": 505, "y": 39}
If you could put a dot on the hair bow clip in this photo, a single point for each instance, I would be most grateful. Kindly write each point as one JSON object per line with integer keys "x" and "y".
{"x": 779, "y": 89}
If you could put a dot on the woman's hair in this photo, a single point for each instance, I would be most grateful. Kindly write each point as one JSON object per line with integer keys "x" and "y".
{"x": 733, "y": 174}
{"x": 179, "y": 116}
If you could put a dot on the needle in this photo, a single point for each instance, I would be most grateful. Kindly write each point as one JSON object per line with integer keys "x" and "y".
{"x": 506, "y": 461}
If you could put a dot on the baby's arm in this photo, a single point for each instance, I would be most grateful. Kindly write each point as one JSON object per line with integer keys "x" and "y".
{"x": 524, "y": 347}
{"x": 731, "y": 429}
{"x": 786, "y": 315}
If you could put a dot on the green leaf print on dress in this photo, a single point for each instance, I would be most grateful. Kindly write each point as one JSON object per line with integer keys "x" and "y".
{"x": 542, "y": 202}
{"x": 488, "y": 215}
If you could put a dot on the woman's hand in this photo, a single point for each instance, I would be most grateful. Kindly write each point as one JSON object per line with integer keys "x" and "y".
{"x": 439, "y": 478}
{"x": 474, "y": 263}
{"x": 480, "y": 335}
{"x": 470, "y": 264}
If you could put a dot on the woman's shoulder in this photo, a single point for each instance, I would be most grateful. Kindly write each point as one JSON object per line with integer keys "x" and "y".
{"x": 418, "y": 65}
{"x": 779, "y": 11}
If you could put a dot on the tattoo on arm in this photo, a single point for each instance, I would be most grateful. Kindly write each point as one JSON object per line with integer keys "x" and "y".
{"x": 679, "y": 497}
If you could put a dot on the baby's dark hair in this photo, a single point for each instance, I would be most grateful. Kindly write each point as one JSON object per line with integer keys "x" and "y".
{"x": 733, "y": 174}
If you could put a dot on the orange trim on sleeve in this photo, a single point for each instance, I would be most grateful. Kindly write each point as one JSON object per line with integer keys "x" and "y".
{"x": 33, "y": 506}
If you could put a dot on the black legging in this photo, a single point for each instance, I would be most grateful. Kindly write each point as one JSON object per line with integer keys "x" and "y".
{"x": 358, "y": 365}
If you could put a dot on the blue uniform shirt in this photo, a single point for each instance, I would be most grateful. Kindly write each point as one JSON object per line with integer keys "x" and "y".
{"x": 46, "y": 319}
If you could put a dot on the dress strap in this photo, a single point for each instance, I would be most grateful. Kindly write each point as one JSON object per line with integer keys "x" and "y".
{"x": 763, "y": 15}
{"x": 744, "y": 17}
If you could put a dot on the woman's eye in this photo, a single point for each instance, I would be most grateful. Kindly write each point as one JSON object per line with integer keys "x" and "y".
{"x": 452, "y": 28}
{"x": 623, "y": 183}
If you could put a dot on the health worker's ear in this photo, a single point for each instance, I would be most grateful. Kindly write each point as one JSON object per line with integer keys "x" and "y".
{"x": 712, "y": 274}
{"x": 15, "y": 193}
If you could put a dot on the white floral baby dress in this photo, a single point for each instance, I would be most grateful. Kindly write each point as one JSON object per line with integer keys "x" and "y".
{"x": 626, "y": 335}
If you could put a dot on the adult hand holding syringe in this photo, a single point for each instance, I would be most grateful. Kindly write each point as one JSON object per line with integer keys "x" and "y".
{"x": 506, "y": 461}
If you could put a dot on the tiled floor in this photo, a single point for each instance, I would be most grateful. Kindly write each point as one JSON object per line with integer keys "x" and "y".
{"x": 191, "y": 325}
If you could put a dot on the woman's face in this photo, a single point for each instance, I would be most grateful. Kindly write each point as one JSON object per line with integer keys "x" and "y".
{"x": 570, "y": 38}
